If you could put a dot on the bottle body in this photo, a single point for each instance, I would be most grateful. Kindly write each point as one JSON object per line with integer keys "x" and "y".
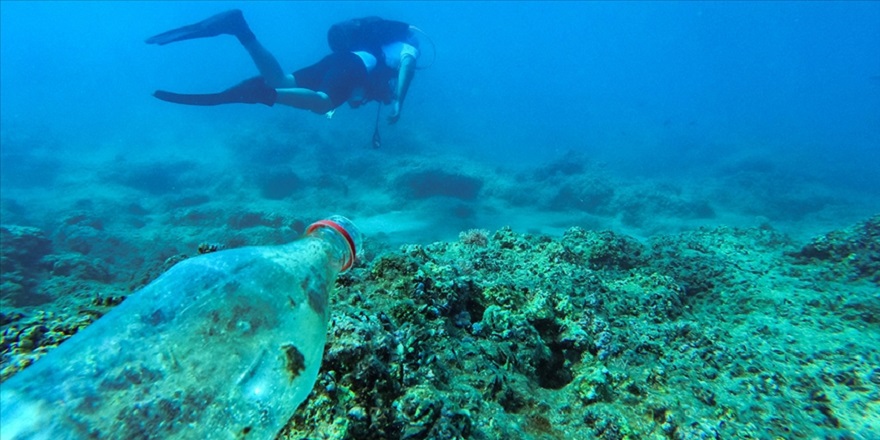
{"x": 225, "y": 345}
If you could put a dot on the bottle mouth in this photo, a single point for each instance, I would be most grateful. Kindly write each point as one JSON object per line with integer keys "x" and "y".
{"x": 347, "y": 230}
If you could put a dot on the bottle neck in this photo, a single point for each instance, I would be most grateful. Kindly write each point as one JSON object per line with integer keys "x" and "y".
{"x": 346, "y": 230}
{"x": 337, "y": 246}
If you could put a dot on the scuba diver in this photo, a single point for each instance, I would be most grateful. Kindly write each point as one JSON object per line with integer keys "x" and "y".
{"x": 372, "y": 60}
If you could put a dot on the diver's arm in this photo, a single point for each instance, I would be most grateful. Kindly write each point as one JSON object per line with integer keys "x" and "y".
{"x": 404, "y": 77}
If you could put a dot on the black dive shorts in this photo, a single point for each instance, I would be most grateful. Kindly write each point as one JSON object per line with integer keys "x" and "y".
{"x": 337, "y": 75}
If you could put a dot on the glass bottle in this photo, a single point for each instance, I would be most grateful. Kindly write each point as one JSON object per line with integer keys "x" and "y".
{"x": 223, "y": 345}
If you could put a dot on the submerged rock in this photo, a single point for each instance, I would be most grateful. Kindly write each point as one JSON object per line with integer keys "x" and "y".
{"x": 21, "y": 265}
{"x": 23, "y": 245}
{"x": 855, "y": 250}
{"x": 435, "y": 182}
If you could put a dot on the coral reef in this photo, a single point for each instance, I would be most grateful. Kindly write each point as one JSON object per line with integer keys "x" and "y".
{"x": 21, "y": 264}
{"x": 854, "y": 252}
{"x": 711, "y": 333}
{"x": 592, "y": 336}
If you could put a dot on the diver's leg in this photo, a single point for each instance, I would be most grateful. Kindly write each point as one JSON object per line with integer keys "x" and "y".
{"x": 306, "y": 99}
{"x": 229, "y": 22}
{"x": 255, "y": 91}
{"x": 251, "y": 91}
{"x": 268, "y": 65}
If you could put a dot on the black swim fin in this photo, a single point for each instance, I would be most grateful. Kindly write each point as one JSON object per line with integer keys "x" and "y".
{"x": 251, "y": 91}
{"x": 229, "y": 22}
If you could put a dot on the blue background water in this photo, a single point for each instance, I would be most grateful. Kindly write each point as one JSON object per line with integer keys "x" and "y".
{"x": 679, "y": 115}
{"x": 649, "y": 89}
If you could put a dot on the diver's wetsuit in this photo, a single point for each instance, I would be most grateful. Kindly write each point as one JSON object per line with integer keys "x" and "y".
{"x": 337, "y": 75}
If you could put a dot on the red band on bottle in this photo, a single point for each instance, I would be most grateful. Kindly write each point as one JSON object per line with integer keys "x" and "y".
{"x": 335, "y": 226}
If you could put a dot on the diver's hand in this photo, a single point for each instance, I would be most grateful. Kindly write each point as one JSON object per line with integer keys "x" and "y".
{"x": 395, "y": 113}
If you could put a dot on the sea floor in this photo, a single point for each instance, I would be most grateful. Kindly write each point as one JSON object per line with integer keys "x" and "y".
{"x": 562, "y": 300}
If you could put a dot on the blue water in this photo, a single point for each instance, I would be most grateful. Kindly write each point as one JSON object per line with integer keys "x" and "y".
{"x": 643, "y": 118}
{"x": 654, "y": 90}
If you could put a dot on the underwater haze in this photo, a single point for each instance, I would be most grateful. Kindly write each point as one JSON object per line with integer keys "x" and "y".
{"x": 778, "y": 99}
{"x": 680, "y": 168}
